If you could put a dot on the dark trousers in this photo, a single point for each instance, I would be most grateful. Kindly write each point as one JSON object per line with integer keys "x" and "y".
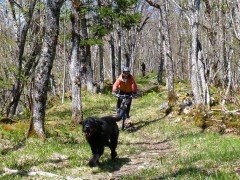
{"x": 120, "y": 99}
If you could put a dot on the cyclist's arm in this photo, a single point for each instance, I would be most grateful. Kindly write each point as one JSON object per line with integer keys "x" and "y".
{"x": 115, "y": 86}
{"x": 134, "y": 86}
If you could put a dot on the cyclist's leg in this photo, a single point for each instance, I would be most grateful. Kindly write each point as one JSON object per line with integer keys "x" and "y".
{"x": 128, "y": 108}
{"x": 119, "y": 101}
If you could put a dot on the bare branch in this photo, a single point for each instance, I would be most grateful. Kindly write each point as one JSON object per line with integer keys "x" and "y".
{"x": 153, "y": 4}
{"x": 181, "y": 9}
{"x": 143, "y": 24}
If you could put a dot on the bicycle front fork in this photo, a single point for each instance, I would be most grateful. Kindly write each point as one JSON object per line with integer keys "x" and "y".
{"x": 124, "y": 117}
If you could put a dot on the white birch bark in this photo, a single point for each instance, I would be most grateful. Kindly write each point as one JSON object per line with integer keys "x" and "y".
{"x": 195, "y": 80}
{"x": 44, "y": 68}
{"x": 168, "y": 59}
{"x": 85, "y": 51}
{"x": 75, "y": 64}
{"x": 167, "y": 51}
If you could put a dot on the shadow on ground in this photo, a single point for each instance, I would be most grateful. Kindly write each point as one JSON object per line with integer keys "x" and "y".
{"x": 133, "y": 127}
{"x": 113, "y": 165}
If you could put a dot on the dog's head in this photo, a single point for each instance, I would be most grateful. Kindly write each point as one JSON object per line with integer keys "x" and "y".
{"x": 90, "y": 126}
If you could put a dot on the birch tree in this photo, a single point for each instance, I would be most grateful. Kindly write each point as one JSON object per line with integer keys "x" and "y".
{"x": 112, "y": 57}
{"x": 198, "y": 81}
{"x": 75, "y": 64}
{"x": 85, "y": 49}
{"x": 235, "y": 9}
{"x": 167, "y": 52}
{"x": 198, "y": 77}
{"x": 44, "y": 67}
{"x": 160, "y": 51}
{"x": 21, "y": 36}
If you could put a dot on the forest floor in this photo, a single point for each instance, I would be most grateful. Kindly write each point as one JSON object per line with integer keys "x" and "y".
{"x": 158, "y": 143}
{"x": 149, "y": 155}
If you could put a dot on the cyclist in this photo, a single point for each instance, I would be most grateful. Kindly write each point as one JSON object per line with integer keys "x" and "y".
{"x": 125, "y": 85}
{"x": 143, "y": 69}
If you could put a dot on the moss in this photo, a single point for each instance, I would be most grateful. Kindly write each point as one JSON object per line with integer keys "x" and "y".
{"x": 8, "y": 127}
{"x": 231, "y": 117}
{"x": 230, "y": 124}
{"x": 172, "y": 98}
{"x": 198, "y": 117}
{"x": 201, "y": 116}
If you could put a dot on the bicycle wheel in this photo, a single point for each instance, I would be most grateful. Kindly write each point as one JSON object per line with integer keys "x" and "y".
{"x": 118, "y": 112}
{"x": 124, "y": 117}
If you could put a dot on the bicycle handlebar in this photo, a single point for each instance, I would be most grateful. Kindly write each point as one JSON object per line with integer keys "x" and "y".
{"x": 123, "y": 95}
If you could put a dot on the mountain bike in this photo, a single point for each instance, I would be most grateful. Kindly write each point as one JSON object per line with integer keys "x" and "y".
{"x": 122, "y": 111}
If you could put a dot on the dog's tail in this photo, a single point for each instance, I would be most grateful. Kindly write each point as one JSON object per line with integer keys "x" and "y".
{"x": 120, "y": 113}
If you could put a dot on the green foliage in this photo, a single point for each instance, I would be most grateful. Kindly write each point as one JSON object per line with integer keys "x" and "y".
{"x": 117, "y": 13}
{"x": 123, "y": 5}
{"x": 6, "y": 40}
{"x": 106, "y": 13}
{"x": 128, "y": 21}
{"x": 100, "y": 30}
{"x": 92, "y": 41}
{"x": 5, "y": 84}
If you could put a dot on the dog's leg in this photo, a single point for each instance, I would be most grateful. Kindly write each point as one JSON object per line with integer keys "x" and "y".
{"x": 97, "y": 152}
{"x": 113, "y": 145}
{"x": 113, "y": 154}
{"x": 94, "y": 160}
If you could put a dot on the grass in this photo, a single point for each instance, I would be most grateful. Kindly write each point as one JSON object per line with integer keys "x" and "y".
{"x": 155, "y": 147}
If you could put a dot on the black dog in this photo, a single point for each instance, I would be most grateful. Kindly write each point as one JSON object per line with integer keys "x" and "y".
{"x": 101, "y": 132}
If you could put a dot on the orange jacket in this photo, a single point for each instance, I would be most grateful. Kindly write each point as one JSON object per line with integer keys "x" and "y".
{"x": 128, "y": 86}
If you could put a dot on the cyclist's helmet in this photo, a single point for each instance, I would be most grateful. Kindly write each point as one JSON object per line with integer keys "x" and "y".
{"x": 126, "y": 69}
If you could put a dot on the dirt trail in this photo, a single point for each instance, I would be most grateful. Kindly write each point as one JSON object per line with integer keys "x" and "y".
{"x": 151, "y": 157}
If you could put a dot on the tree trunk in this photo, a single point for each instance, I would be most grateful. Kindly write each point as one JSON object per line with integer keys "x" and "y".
{"x": 201, "y": 70}
{"x": 160, "y": 51}
{"x": 230, "y": 76}
{"x": 86, "y": 68}
{"x": 133, "y": 47}
{"x": 222, "y": 66}
{"x": 44, "y": 68}
{"x": 119, "y": 51}
{"x": 167, "y": 52}
{"x": 21, "y": 40}
{"x": 113, "y": 58}
{"x": 75, "y": 64}
{"x": 168, "y": 55}
{"x": 160, "y": 71}
{"x": 100, "y": 49}
{"x": 195, "y": 81}
{"x": 182, "y": 61}
{"x": 237, "y": 19}
{"x": 64, "y": 60}
{"x": 101, "y": 67}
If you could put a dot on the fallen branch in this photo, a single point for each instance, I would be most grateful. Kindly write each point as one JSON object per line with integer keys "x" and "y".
{"x": 32, "y": 173}
{"x": 233, "y": 111}
{"x": 237, "y": 111}
{"x": 217, "y": 110}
